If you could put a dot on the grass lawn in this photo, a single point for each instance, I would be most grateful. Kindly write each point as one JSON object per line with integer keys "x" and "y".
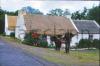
{"x": 12, "y": 39}
{"x": 86, "y": 55}
{"x": 75, "y": 57}
{"x": 83, "y": 56}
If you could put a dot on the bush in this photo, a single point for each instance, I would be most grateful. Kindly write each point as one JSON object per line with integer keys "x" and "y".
{"x": 83, "y": 43}
{"x": 3, "y": 34}
{"x": 86, "y": 43}
{"x": 12, "y": 34}
{"x": 28, "y": 39}
{"x": 96, "y": 43}
{"x": 43, "y": 43}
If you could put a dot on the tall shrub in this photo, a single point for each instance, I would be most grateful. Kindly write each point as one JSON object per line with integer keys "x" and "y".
{"x": 96, "y": 43}
{"x": 28, "y": 39}
{"x": 84, "y": 43}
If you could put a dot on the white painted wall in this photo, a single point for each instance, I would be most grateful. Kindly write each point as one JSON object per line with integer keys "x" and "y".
{"x": 7, "y": 32}
{"x": 20, "y": 28}
{"x": 78, "y": 37}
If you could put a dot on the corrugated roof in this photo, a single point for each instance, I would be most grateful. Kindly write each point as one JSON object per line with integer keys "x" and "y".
{"x": 85, "y": 26}
{"x": 12, "y": 22}
{"x": 48, "y": 24}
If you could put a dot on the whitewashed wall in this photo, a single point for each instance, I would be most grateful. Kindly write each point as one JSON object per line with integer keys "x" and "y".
{"x": 20, "y": 28}
{"x": 7, "y": 32}
{"x": 78, "y": 37}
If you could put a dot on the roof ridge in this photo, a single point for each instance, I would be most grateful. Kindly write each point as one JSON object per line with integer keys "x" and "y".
{"x": 83, "y": 20}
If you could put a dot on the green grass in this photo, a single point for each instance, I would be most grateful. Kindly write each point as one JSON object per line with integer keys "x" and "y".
{"x": 74, "y": 57}
{"x": 11, "y": 39}
{"x": 84, "y": 56}
{"x": 87, "y": 55}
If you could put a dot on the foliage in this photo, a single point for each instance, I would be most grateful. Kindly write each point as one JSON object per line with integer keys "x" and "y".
{"x": 66, "y": 12}
{"x": 90, "y": 14}
{"x": 28, "y": 39}
{"x": 86, "y": 43}
{"x": 80, "y": 15}
{"x": 94, "y": 14}
{"x": 12, "y": 34}
{"x": 1, "y": 21}
{"x": 31, "y": 10}
{"x": 58, "y": 12}
{"x": 96, "y": 43}
{"x": 43, "y": 43}
{"x": 3, "y": 34}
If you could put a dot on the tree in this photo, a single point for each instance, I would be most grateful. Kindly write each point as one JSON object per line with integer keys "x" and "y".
{"x": 94, "y": 14}
{"x": 76, "y": 15}
{"x": 66, "y": 12}
{"x": 1, "y": 21}
{"x": 58, "y": 12}
{"x": 90, "y": 14}
{"x": 80, "y": 15}
{"x": 84, "y": 13}
{"x": 68, "y": 36}
{"x": 31, "y": 10}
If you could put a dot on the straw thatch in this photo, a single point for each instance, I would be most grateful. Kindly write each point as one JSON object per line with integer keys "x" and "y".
{"x": 48, "y": 24}
{"x": 12, "y": 22}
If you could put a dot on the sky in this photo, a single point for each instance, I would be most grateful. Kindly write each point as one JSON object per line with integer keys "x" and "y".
{"x": 46, "y": 6}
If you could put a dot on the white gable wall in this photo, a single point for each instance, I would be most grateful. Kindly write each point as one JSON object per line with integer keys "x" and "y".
{"x": 78, "y": 37}
{"x": 20, "y": 28}
{"x": 7, "y": 32}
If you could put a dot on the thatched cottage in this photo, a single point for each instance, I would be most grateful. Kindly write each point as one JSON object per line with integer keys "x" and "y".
{"x": 10, "y": 24}
{"x": 49, "y": 25}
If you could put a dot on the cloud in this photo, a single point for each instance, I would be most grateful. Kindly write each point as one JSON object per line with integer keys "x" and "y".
{"x": 46, "y": 6}
{"x": 12, "y": 5}
{"x": 71, "y": 5}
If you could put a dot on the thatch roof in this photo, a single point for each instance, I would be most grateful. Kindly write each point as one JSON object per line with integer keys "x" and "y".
{"x": 12, "y": 22}
{"x": 49, "y": 24}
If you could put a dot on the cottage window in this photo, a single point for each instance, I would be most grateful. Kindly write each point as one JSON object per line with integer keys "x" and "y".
{"x": 90, "y": 36}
